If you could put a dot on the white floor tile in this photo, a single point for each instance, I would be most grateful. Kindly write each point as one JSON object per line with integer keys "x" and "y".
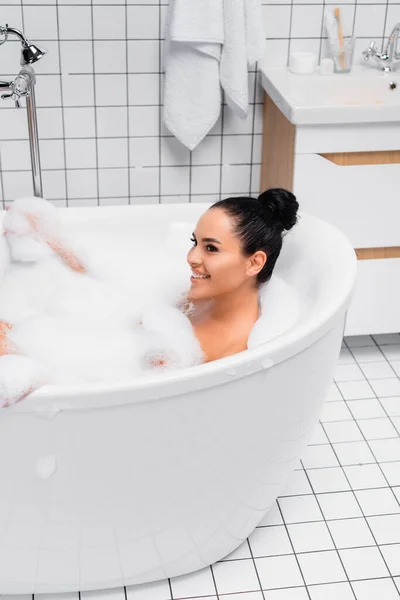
{"x": 363, "y": 477}
{"x": 297, "y": 485}
{"x": 351, "y": 533}
{"x": 368, "y": 354}
{"x": 397, "y": 582}
{"x": 310, "y": 537}
{"x": 395, "y": 364}
{"x": 341, "y": 505}
{"x": 392, "y": 472}
{"x": 363, "y": 563}
{"x": 356, "y": 341}
{"x": 378, "y": 429}
{"x": 331, "y": 591}
{"x": 336, "y": 411}
{"x": 328, "y": 480}
{"x": 270, "y": 541}
{"x": 386, "y": 387}
{"x": 199, "y": 583}
{"x": 377, "y": 370}
{"x": 355, "y": 390}
{"x": 385, "y": 528}
{"x": 391, "y": 554}
{"x": 387, "y": 338}
{"x": 392, "y": 351}
{"x": 334, "y": 393}
{"x": 321, "y": 567}
{"x": 235, "y": 576}
{"x": 366, "y": 409}
{"x": 354, "y": 453}
{"x": 300, "y": 509}
{"x": 62, "y": 596}
{"x": 396, "y": 424}
{"x": 348, "y": 372}
{"x": 391, "y": 405}
{"x": 386, "y": 450}
{"x": 345, "y": 431}
{"x": 319, "y": 456}
{"x": 379, "y": 588}
{"x": 278, "y": 572}
{"x": 377, "y": 502}
{"x": 245, "y": 596}
{"x": 297, "y": 593}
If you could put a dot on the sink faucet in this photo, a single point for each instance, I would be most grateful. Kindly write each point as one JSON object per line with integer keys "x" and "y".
{"x": 387, "y": 60}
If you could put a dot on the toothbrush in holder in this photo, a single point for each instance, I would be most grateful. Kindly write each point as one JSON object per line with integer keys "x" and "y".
{"x": 340, "y": 35}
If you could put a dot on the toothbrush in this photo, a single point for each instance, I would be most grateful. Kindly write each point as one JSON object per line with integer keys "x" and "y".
{"x": 340, "y": 34}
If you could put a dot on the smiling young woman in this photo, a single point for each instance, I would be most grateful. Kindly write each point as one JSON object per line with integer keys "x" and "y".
{"x": 235, "y": 247}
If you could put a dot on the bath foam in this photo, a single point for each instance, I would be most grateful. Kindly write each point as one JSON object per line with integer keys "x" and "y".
{"x": 25, "y": 243}
{"x": 85, "y": 328}
{"x": 280, "y": 311}
{"x": 19, "y": 375}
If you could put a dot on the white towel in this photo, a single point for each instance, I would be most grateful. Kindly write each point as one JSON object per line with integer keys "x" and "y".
{"x": 209, "y": 44}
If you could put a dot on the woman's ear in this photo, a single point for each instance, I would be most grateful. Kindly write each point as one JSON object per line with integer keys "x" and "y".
{"x": 256, "y": 263}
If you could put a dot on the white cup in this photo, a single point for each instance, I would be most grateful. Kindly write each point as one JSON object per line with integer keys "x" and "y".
{"x": 303, "y": 63}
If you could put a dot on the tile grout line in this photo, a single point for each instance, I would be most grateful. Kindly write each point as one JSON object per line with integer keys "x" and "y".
{"x": 330, "y": 533}
{"x": 61, "y": 87}
{"x": 127, "y": 103}
{"x": 361, "y": 510}
{"x": 95, "y": 109}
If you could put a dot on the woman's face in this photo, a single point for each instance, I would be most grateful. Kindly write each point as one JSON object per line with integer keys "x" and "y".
{"x": 218, "y": 264}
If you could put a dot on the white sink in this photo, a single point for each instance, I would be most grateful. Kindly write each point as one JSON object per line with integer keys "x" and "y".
{"x": 362, "y": 96}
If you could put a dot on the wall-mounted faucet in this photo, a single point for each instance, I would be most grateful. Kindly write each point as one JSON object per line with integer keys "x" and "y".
{"x": 23, "y": 86}
{"x": 387, "y": 60}
{"x": 29, "y": 52}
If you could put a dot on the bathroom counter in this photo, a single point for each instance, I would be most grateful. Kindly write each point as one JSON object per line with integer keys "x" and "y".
{"x": 362, "y": 96}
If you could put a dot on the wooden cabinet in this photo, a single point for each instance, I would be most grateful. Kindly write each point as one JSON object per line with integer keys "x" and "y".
{"x": 348, "y": 175}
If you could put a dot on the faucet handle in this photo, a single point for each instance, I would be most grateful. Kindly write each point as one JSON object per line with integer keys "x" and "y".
{"x": 13, "y": 97}
{"x": 371, "y": 50}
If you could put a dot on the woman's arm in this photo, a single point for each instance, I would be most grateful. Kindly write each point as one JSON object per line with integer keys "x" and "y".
{"x": 6, "y": 346}
{"x": 66, "y": 255}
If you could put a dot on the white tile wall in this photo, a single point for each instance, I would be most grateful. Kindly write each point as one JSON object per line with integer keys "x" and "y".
{"x": 99, "y": 97}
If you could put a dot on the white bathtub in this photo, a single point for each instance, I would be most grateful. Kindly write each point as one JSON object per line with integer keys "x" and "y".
{"x": 167, "y": 475}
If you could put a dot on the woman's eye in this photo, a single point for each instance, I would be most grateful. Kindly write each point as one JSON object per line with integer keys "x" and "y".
{"x": 211, "y": 248}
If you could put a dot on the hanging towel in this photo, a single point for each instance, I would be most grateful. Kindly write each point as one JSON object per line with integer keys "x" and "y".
{"x": 243, "y": 46}
{"x": 209, "y": 44}
{"x": 192, "y": 93}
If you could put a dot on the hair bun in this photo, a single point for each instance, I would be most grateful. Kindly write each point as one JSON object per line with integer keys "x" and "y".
{"x": 281, "y": 205}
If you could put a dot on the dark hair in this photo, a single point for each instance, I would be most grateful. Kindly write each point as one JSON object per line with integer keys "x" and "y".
{"x": 260, "y": 223}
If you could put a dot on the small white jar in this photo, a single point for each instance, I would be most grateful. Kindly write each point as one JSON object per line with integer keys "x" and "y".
{"x": 303, "y": 63}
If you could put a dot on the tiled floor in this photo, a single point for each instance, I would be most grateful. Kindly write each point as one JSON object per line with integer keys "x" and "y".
{"x": 335, "y": 531}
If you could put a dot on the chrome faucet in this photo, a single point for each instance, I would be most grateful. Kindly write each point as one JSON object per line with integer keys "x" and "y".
{"x": 387, "y": 60}
{"x": 23, "y": 86}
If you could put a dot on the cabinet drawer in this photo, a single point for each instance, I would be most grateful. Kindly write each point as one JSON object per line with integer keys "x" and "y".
{"x": 362, "y": 201}
{"x": 375, "y": 304}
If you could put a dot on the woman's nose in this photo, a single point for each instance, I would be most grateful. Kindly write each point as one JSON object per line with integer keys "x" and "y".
{"x": 193, "y": 258}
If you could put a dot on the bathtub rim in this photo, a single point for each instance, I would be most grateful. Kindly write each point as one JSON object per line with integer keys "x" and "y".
{"x": 172, "y": 383}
